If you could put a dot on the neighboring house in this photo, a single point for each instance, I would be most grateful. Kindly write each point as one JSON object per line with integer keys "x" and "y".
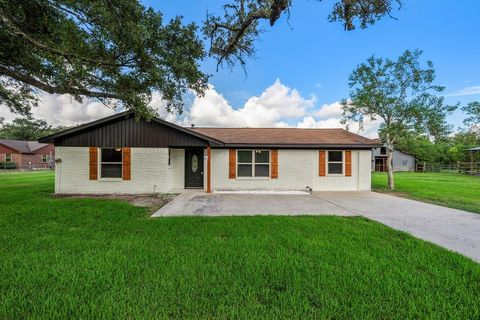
{"x": 402, "y": 161}
{"x": 119, "y": 154}
{"x": 27, "y": 154}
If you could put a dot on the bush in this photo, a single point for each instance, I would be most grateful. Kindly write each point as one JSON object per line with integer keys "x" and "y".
{"x": 8, "y": 165}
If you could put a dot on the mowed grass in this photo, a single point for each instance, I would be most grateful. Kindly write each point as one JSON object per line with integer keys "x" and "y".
{"x": 447, "y": 189}
{"x": 90, "y": 258}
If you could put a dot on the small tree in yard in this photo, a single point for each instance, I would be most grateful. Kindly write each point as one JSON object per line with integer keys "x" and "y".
{"x": 403, "y": 95}
{"x": 473, "y": 114}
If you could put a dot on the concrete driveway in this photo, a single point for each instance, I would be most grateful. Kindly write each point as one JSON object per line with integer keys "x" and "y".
{"x": 450, "y": 228}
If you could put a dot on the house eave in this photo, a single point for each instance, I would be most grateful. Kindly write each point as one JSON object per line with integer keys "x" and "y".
{"x": 298, "y": 146}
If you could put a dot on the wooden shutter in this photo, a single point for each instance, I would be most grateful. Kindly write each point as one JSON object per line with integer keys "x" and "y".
{"x": 93, "y": 162}
{"x": 348, "y": 163}
{"x": 126, "y": 161}
{"x": 321, "y": 163}
{"x": 274, "y": 164}
{"x": 232, "y": 164}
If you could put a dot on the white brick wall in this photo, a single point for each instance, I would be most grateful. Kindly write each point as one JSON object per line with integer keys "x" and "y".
{"x": 149, "y": 168}
{"x": 297, "y": 169}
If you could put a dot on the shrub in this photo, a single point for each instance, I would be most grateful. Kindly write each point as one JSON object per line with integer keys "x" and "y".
{"x": 8, "y": 165}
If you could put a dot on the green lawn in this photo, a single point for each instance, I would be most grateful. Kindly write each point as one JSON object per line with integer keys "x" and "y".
{"x": 90, "y": 258}
{"x": 446, "y": 189}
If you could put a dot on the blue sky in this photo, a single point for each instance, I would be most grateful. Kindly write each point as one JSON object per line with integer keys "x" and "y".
{"x": 301, "y": 68}
{"x": 314, "y": 56}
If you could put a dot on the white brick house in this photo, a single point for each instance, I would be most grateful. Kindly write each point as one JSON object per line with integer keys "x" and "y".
{"x": 119, "y": 154}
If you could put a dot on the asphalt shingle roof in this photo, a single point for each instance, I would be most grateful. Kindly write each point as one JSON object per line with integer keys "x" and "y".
{"x": 23, "y": 146}
{"x": 287, "y": 136}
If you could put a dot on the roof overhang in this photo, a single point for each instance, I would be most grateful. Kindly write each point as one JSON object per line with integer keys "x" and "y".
{"x": 301, "y": 146}
{"x": 85, "y": 127}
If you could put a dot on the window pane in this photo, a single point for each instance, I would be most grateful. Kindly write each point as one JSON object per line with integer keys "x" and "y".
{"x": 111, "y": 170}
{"x": 335, "y": 155}
{"x": 262, "y": 170}
{"x": 244, "y": 170}
{"x": 112, "y": 155}
{"x": 262, "y": 156}
{"x": 335, "y": 168}
{"x": 245, "y": 156}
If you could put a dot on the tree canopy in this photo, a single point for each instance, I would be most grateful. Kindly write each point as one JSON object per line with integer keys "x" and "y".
{"x": 402, "y": 94}
{"x": 120, "y": 52}
{"x": 27, "y": 129}
{"x": 116, "y": 51}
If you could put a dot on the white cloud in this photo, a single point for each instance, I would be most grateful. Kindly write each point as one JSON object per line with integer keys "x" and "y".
{"x": 370, "y": 128}
{"x": 333, "y": 110}
{"x": 275, "y": 105}
{"x": 467, "y": 91}
{"x": 64, "y": 110}
{"x": 160, "y": 105}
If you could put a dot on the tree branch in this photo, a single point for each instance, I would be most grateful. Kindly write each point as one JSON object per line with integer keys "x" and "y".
{"x": 55, "y": 89}
{"x": 68, "y": 56}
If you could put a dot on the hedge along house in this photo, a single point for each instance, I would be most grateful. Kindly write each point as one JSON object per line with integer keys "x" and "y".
{"x": 120, "y": 154}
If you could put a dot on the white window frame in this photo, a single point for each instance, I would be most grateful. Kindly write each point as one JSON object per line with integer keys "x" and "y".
{"x": 342, "y": 162}
{"x": 100, "y": 166}
{"x": 9, "y": 160}
{"x": 44, "y": 158}
{"x": 253, "y": 164}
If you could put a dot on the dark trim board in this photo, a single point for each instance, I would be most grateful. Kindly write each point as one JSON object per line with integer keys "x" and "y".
{"x": 124, "y": 129}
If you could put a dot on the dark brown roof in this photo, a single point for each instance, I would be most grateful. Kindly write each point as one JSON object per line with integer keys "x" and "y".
{"x": 23, "y": 146}
{"x": 285, "y": 136}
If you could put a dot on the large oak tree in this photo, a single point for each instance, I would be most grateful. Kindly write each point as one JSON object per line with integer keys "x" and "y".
{"x": 119, "y": 52}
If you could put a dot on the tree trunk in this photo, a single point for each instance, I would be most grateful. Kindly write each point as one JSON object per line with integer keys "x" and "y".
{"x": 391, "y": 182}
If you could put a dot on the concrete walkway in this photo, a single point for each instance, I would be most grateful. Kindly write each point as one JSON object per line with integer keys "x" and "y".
{"x": 450, "y": 228}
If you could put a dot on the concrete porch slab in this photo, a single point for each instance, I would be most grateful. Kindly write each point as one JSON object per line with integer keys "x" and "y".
{"x": 218, "y": 204}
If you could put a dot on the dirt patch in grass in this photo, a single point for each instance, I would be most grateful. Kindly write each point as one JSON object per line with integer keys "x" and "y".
{"x": 152, "y": 202}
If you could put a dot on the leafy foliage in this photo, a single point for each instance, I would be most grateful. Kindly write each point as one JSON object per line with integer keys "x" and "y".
{"x": 119, "y": 52}
{"x": 473, "y": 111}
{"x": 402, "y": 94}
{"x": 27, "y": 129}
{"x": 443, "y": 151}
{"x": 232, "y": 36}
{"x": 116, "y": 51}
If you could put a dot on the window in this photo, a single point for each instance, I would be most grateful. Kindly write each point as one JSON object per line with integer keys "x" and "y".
{"x": 253, "y": 163}
{"x": 8, "y": 157}
{"x": 111, "y": 163}
{"x": 44, "y": 158}
{"x": 335, "y": 162}
{"x": 383, "y": 150}
{"x": 404, "y": 162}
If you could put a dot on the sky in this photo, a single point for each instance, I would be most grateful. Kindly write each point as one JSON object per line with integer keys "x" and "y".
{"x": 302, "y": 64}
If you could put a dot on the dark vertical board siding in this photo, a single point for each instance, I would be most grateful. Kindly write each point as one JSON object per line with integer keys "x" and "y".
{"x": 131, "y": 133}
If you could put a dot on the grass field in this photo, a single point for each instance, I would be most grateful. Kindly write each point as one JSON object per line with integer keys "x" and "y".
{"x": 446, "y": 189}
{"x": 91, "y": 258}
